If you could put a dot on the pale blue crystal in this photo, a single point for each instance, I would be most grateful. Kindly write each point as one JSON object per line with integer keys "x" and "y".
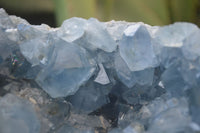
{"x": 7, "y": 46}
{"x": 191, "y": 46}
{"x": 5, "y": 21}
{"x": 172, "y": 39}
{"x": 17, "y": 116}
{"x": 72, "y": 29}
{"x": 64, "y": 75}
{"x": 173, "y": 120}
{"x": 130, "y": 78}
{"x": 37, "y": 51}
{"x": 29, "y": 32}
{"x": 97, "y": 37}
{"x": 173, "y": 73}
{"x": 174, "y": 35}
{"x": 116, "y": 29}
{"x": 136, "y": 48}
{"x": 90, "y": 97}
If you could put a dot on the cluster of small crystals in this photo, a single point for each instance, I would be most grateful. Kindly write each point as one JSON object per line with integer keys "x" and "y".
{"x": 98, "y": 77}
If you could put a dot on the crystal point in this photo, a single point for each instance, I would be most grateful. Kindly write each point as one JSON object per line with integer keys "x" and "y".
{"x": 136, "y": 48}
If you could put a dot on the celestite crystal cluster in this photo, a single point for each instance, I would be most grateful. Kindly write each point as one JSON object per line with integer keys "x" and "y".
{"x": 98, "y": 77}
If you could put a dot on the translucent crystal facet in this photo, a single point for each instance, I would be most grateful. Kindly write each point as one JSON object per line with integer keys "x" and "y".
{"x": 64, "y": 75}
{"x": 136, "y": 48}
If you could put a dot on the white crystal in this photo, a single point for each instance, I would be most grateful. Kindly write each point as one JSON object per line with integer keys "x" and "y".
{"x": 102, "y": 77}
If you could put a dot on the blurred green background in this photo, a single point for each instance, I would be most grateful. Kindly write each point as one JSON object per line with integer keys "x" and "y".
{"x": 153, "y": 12}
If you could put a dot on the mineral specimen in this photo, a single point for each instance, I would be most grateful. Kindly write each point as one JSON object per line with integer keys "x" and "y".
{"x": 98, "y": 77}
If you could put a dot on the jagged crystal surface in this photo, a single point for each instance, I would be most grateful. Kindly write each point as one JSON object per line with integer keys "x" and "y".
{"x": 89, "y": 76}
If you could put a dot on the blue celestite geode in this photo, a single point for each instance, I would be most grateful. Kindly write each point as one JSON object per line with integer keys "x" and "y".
{"x": 89, "y": 76}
